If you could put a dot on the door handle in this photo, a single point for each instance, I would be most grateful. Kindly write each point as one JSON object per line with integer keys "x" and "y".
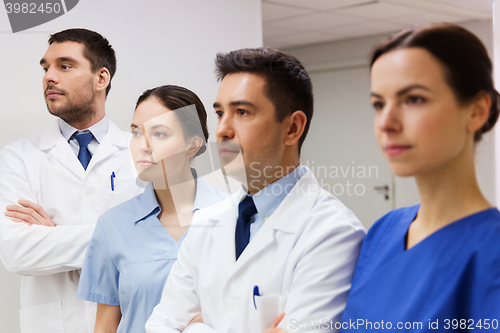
{"x": 384, "y": 190}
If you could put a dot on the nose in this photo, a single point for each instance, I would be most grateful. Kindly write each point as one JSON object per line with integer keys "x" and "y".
{"x": 389, "y": 118}
{"x": 144, "y": 146}
{"x": 50, "y": 76}
{"x": 225, "y": 128}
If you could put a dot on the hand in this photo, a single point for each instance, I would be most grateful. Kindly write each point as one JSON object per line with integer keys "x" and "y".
{"x": 274, "y": 327}
{"x": 197, "y": 319}
{"x": 30, "y": 213}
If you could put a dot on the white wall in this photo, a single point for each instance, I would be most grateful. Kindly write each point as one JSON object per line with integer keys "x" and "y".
{"x": 355, "y": 53}
{"x": 156, "y": 42}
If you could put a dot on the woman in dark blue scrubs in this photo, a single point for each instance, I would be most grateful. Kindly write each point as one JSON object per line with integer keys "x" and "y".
{"x": 435, "y": 266}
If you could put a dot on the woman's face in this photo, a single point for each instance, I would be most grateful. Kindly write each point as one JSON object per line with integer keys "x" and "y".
{"x": 419, "y": 124}
{"x": 158, "y": 146}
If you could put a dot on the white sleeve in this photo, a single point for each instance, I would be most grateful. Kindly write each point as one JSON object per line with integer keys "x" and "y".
{"x": 322, "y": 279}
{"x": 34, "y": 250}
{"x": 199, "y": 328}
{"x": 179, "y": 302}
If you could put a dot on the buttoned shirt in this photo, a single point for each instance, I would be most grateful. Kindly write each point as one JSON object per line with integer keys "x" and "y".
{"x": 98, "y": 130}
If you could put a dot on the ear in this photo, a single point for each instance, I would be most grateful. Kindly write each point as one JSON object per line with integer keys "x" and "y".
{"x": 196, "y": 143}
{"x": 480, "y": 111}
{"x": 103, "y": 79}
{"x": 296, "y": 125}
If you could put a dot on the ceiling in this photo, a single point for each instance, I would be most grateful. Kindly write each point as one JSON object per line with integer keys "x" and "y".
{"x": 288, "y": 23}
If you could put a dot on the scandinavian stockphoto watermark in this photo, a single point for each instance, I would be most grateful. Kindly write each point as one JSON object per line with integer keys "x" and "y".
{"x": 340, "y": 180}
{"x": 26, "y": 14}
{"x": 365, "y": 325}
{"x": 359, "y": 324}
{"x": 344, "y": 179}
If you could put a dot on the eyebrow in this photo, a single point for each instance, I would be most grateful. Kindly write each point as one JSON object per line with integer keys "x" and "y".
{"x": 134, "y": 126}
{"x": 404, "y": 90}
{"x": 60, "y": 59}
{"x": 236, "y": 103}
{"x": 160, "y": 125}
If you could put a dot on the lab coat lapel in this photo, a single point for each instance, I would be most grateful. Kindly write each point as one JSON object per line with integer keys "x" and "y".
{"x": 115, "y": 139}
{"x": 54, "y": 143}
{"x": 223, "y": 237}
{"x": 288, "y": 217}
{"x": 223, "y": 232}
{"x": 263, "y": 238}
{"x": 296, "y": 206}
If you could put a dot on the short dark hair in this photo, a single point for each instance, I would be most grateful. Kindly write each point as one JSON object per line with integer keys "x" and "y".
{"x": 97, "y": 49}
{"x": 175, "y": 97}
{"x": 468, "y": 68}
{"x": 288, "y": 85}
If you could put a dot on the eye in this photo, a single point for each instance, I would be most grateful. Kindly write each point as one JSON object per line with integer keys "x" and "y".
{"x": 219, "y": 114}
{"x": 136, "y": 133}
{"x": 159, "y": 135}
{"x": 241, "y": 112}
{"x": 45, "y": 69}
{"x": 378, "y": 105}
{"x": 65, "y": 66}
{"x": 415, "y": 100}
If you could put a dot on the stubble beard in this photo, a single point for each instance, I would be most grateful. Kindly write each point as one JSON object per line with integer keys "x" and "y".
{"x": 78, "y": 109}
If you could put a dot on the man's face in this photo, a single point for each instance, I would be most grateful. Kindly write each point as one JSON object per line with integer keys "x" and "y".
{"x": 247, "y": 124}
{"x": 68, "y": 83}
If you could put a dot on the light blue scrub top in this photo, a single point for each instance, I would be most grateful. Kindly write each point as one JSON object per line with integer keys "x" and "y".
{"x": 131, "y": 254}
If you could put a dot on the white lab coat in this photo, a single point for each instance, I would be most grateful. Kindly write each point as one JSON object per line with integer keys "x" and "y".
{"x": 45, "y": 170}
{"x": 302, "y": 260}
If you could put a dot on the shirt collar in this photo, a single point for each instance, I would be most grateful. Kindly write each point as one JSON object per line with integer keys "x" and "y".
{"x": 205, "y": 196}
{"x": 147, "y": 204}
{"x": 99, "y": 130}
{"x": 268, "y": 199}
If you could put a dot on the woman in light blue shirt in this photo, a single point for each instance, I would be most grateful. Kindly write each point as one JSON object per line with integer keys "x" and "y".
{"x": 135, "y": 244}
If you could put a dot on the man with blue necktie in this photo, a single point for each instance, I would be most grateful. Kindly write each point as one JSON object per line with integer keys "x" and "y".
{"x": 54, "y": 185}
{"x": 280, "y": 244}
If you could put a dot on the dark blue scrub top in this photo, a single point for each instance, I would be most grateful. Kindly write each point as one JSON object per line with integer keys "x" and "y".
{"x": 450, "y": 281}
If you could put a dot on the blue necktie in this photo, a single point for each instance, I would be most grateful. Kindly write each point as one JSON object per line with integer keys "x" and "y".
{"x": 84, "y": 153}
{"x": 246, "y": 210}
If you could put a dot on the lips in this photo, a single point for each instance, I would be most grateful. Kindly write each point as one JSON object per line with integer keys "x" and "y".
{"x": 394, "y": 149}
{"x": 145, "y": 163}
{"x": 228, "y": 148}
{"x": 227, "y": 151}
{"x": 52, "y": 94}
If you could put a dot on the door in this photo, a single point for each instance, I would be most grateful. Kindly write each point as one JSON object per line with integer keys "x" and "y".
{"x": 340, "y": 147}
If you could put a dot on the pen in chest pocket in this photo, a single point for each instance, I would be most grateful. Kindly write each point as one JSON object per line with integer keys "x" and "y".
{"x": 113, "y": 181}
{"x": 255, "y": 293}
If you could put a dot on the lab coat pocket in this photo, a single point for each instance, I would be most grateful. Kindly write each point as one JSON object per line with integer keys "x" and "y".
{"x": 42, "y": 319}
{"x": 267, "y": 308}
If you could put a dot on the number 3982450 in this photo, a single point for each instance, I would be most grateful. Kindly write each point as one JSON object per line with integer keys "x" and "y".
{"x": 33, "y": 8}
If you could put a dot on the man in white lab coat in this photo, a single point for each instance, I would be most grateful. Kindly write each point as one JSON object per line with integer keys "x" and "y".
{"x": 54, "y": 185}
{"x": 281, "y": 244}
